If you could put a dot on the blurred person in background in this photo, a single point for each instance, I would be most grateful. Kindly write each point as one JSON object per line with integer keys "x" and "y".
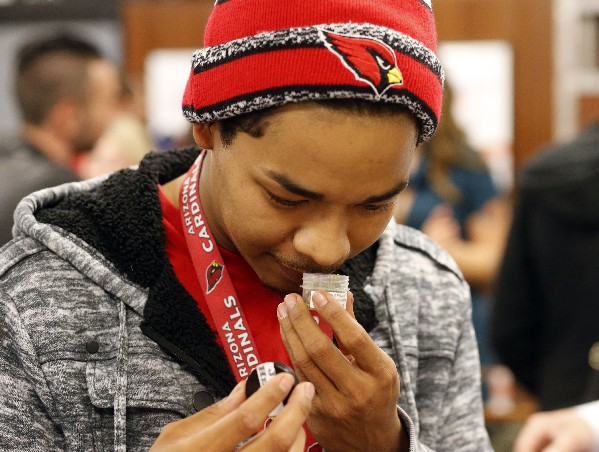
{"x": 453, "y": 200}
{"x": 568, "y": 430}
{"x": 544, "y": 324}
{"x": 67, "y": 94}
{"x": 124, "y": 144}
{"x": 126, "y": 140}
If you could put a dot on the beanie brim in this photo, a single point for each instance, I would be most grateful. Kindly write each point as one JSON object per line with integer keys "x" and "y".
{"x": 313, "y": 63}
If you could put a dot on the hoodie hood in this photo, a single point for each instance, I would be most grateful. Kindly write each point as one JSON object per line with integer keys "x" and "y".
{"x": 564, "y": 179}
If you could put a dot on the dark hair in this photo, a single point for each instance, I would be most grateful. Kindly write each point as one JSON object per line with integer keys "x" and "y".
{"x": 254, "y": 123}
{"x": 49, "y": 69}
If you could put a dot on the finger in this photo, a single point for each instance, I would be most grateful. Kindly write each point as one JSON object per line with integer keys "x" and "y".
{"x": 204, "y": 418}
{"x": 246, "y": 419}
{"x": 309, "y": 347}
{"x": 534, "y": 436}
{"x": 300, "y": 442}
{"x": 298, "y": 372}
{"x": 176, "y": 433}
{"x": 350, "y": 335}
{"x": 286, "y": 431}
{"x": 350, "y": 309}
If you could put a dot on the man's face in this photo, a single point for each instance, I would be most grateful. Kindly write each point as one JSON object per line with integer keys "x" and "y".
{"x": 100, "y": 105}
{"x": 317, "y": 188}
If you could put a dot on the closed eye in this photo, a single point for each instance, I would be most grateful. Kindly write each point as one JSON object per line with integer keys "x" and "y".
{"x": 284, "y": 202}
{"x": 378, "y": 208}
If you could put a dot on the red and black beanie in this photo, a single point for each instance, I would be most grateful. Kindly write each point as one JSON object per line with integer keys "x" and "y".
{"x": 261, "y": 53}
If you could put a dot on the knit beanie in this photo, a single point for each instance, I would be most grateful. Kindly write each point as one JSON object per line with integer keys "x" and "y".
{"x": 264, "y": 53}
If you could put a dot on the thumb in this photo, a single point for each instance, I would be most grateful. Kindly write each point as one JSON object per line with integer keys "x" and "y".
{"x": 299, "y": 443}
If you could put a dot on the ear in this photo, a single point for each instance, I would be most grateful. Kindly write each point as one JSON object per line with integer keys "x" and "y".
{"x": 202, "y": 135}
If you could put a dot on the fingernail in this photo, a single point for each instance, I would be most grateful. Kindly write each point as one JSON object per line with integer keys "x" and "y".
{"x": 309, "y": 390}
{"x": 319, "y": 299}
{"x": 286, "y": 382}
{"x": 290, "y": 301}
{"x": 281, "y": 311}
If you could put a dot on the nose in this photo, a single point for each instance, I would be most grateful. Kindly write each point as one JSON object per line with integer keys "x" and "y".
{"x": 324, "y": 241}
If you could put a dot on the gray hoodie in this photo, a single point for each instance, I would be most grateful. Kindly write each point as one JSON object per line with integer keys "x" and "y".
{"x": 102, "y": 346}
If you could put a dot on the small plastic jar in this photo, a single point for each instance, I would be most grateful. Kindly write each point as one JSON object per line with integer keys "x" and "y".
{"x": 336, "y": 285}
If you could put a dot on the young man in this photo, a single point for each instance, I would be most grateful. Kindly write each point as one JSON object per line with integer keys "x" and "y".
{"x": 67, "y": 94}
{"x": 131, "y": 303}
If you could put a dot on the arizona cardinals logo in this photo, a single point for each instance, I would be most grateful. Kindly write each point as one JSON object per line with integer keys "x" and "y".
{"x": 214, "y": 274}
{"x": 370, "y": 60}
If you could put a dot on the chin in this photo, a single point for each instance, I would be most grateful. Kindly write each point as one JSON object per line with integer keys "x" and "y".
{"x": 283, "y": 287}
{"x": 284, "y": 290}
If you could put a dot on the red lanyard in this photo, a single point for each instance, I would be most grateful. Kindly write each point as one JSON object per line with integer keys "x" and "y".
{"x": 227, "y": 314}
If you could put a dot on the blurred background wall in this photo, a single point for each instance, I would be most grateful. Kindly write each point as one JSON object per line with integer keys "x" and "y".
{"x": 553, "y": 44}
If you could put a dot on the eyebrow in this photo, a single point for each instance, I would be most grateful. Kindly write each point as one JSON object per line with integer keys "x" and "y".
{"x": 292, "y": 187}
{"x": 399, "y": 187}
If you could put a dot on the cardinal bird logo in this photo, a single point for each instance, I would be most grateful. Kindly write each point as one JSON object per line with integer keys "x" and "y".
{"x": 370, "y": 60}
{"x": 214, "y": 274}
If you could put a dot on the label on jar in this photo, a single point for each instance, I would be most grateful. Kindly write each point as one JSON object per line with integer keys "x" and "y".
{"x": 341, "y": 297}
{"x": 265, "y": 372}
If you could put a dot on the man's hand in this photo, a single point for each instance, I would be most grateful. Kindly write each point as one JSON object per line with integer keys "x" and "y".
{"x": 357, "y": 386}
{"x": 556, "y": 431}
{"x": 224, "y": 425}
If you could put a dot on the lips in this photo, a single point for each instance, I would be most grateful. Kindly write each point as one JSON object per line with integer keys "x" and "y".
{"x": 291, "y": 274}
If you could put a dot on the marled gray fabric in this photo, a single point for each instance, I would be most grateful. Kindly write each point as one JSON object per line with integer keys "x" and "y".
{"x": 24, "y": 169}
{"x": 57, "y": 294}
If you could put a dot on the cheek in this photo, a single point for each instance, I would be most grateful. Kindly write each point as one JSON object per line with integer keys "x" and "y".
{"x": 366, "y": 229}
{"x": 253, "y": 224}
